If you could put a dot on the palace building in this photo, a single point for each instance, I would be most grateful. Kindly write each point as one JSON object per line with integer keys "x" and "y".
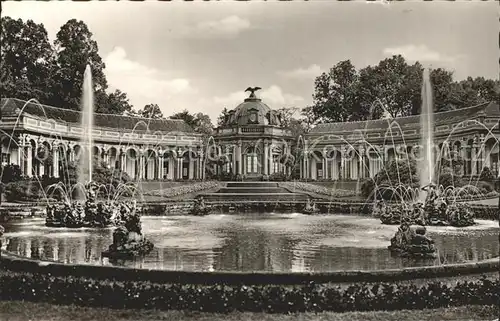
{"x": 252, "y": 136}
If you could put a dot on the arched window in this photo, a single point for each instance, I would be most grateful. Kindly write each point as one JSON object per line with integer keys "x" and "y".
{"x": 252, "y": 161}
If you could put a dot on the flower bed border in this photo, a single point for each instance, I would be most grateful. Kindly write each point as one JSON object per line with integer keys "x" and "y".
{"x": 183, "y": 294}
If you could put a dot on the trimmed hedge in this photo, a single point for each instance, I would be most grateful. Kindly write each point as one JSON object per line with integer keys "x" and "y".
{"x": 224, "y": 299}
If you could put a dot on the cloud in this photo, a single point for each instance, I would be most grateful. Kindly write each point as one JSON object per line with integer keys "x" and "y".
{"x": 142, "y": 84}
{"x": 310, "y": 72}
{"x": 226, "y": 27}
{"x": 419, "y": 53}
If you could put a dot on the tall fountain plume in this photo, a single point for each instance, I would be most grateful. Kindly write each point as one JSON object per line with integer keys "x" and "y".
{"x": 85, "y": 166}
{"x": 426, "y": 163}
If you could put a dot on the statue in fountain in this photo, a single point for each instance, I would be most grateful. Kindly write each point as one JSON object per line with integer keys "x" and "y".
{"x": 310, "y": 207}
{"x": 411, "y": 241}
{"x": 75, "y": 214}
{"x": 379, "y": 209}
{"x": 199, "y": 207}
{"x": 128, "y": 240}
{"x": 438, "y": 210}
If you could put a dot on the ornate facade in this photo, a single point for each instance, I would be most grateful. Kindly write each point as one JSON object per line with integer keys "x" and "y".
{"x": 356, "y": 150}
{"x": 252, "y": 136}
{"x": 40, "y": 139}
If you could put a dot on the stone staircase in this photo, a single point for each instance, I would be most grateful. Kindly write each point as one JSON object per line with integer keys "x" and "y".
{"x": 254, "y": 192}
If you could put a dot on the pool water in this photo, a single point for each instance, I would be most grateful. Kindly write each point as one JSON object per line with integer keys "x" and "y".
{"x": 253, "y": 242}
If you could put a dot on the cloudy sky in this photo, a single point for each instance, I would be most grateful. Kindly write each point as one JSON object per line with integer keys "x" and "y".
{"x": 201, "y": 56}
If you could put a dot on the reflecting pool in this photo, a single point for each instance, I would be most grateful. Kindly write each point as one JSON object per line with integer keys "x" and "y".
{"x": 260, "y": 242}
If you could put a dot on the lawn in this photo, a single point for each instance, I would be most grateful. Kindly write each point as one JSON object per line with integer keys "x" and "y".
{"x": 24, "y": 311}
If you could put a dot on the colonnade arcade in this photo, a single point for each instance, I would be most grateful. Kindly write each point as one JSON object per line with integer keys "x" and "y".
{"x": 39, "y": 156}
{"x": 349, "y": 162}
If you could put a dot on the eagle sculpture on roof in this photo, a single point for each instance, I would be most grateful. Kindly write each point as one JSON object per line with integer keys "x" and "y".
{"x": 252, "y": 91}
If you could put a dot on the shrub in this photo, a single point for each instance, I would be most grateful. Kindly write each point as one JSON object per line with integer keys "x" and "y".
{"x": 277, "y": 177}
{"x": 10, "y": 173}
{"x": 394, "y": 174}
{"x": 223, "y": 298}
{"x": 448, "y": 178}
{"x": 25, "y": 190}
{"x": 487, "y": 175}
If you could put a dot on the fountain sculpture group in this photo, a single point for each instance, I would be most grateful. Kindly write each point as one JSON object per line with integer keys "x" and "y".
{"x": 410, "y": 239}
{"x": 128, "y": 240}
{"x": 199, "y": 207}
{"x": 88, "y": 214}
{"x": 435, "y": 211}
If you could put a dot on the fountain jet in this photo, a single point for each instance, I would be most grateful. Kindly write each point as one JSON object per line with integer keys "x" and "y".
{"x": 426, "y": 163}
{"x": 85, "y": 166}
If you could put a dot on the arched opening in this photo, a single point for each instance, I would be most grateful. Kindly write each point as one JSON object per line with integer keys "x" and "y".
{"x": 188, "y": 159}
{"x": 168, "y": 164}
{"x": 469, "y": 168}
{"x": 131, "y": 163}
{"x": 456, "y": 155}
{"x": 113, "y": 158}
{"x": 6, "y": 151}
{"x": 317, "y": 168}
{"x": 150, "y": 168}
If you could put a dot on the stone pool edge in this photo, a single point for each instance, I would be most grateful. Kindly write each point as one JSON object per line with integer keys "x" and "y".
{"x": 15, "y": 263}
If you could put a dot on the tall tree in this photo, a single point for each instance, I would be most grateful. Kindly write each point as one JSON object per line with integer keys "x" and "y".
{"x": 199, "y": 122}
{"x": 222, "y": 117}
{"x": 27, "y": 60}
{"x": 203, "y": 124}
{"x": 186, "y": 116}
{"x": 116, "y": 102}
{"x": 335, "y": 93}
{"x": 287, "y": 115}
{"x": 151, "y": 111}
{"x": 75, "y": 49}
{"x": 393, "y": 84}
{"x": 474, "y": 91}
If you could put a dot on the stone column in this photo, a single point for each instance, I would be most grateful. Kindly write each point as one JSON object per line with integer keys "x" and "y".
{"x": 191, "y": 168}
{"x": 123, "y": 162}
{"x": 29, "y": 161}
{"x": 240, "y": 159}
{"x": 474, "y": 160}
{"x": 55, "y": 162}
{"x": 266, "y": 158}
{"x": 354, "y": 166}
{"x": 171, "y": 168}
{"x": 202, "y": 165}
{"x": 179, "y": 168}
{"x": 159, "y": 172}
{"x": 304, "y": 160}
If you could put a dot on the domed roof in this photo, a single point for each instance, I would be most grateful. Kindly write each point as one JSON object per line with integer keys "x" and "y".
{"x": 252, "y": 111}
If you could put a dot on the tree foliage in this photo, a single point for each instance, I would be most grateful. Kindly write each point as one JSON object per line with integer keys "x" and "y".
{"x": 75, "y": 49}
{"x": 391, "y": 87}
{"x": 200, "y": 122}
{"x": 26, "y": 60}
{"x": 151, "y": 111}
